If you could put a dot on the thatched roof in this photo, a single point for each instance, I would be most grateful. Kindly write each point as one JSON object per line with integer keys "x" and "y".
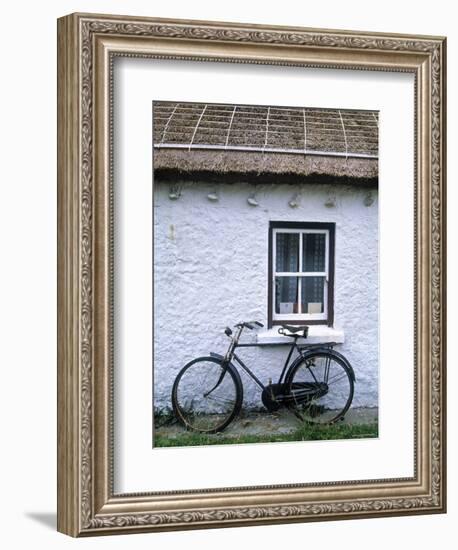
{"x": 258, "y": 143}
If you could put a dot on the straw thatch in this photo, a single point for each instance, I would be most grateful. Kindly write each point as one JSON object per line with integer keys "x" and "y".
{"x": 198, "y": 141}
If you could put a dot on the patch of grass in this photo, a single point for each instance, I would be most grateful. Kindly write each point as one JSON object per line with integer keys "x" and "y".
{"x": 164, "y": 417}
{"x": 314, "y": 432}
{"x": 305, "y": 432}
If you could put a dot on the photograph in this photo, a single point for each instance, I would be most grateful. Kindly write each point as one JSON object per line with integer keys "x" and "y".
{"x": 265, "y": 273}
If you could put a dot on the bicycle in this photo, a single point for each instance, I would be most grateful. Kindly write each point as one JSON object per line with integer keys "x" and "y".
{"x": 317, "y": 385}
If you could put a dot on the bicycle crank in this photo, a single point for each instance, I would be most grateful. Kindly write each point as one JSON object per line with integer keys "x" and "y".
{"x": 273, "y": 396}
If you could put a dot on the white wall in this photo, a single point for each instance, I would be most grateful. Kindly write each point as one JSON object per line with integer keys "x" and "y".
{"x": 211, "y": 261}
{"x": 28, "y": 274}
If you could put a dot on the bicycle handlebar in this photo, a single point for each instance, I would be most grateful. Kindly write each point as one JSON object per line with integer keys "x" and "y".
{"x": 249, "y": 324}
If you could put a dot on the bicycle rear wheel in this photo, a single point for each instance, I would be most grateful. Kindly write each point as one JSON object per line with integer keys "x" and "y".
{"x": 207, "y": 395}
{"x": 321, "y": 388}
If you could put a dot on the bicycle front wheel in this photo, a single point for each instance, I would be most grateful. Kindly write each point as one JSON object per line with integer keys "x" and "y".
{"x": 320, "y": 388}
{"x": 207, "y": 395}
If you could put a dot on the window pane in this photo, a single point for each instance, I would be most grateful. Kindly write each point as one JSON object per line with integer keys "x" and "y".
{"x": 287, "y": 252}
{"x": 313, "y": 252}
{"x": 312, "y": 295}
{"x": 286, "y": 295}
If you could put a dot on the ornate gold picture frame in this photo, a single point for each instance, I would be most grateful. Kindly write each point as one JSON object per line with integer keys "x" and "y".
{"x": 87, "y": 47}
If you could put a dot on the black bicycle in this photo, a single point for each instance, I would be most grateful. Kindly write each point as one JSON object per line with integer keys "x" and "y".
{"x": 317, "y": 385}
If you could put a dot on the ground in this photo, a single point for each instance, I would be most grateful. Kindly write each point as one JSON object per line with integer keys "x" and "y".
{"x": 261, "y": 427}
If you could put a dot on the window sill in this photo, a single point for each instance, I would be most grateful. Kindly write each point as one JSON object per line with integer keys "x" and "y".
{"x": 318, "y": 334}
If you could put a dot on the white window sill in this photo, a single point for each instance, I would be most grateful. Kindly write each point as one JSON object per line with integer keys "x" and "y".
{"x": 318, "y": 334}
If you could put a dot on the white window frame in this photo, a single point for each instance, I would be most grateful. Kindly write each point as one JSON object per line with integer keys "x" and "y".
{"x": 300, "y": 316}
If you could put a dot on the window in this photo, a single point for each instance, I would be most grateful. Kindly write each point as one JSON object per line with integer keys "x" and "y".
{"x": 301, "y": 273}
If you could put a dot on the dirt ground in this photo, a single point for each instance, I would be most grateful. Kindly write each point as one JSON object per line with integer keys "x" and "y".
{"x": 281, "y": 422}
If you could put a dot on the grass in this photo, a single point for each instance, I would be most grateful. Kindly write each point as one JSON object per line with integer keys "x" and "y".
{"x": 305, "y": 432}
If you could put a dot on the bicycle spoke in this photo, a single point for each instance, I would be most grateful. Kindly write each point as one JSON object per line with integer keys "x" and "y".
{"x": 321, "y": 389}
{"x": 203, "y": 400}
{"x": 338, "y": 377}
{"x": 220, "y": 399}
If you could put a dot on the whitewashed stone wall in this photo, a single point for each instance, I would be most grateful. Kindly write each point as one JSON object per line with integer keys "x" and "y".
{"x": 210, "y": 271}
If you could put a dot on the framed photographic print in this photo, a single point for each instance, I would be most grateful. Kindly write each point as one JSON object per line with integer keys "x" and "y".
{"x": 251, "y": 274}
{"x": 274, "y": 184}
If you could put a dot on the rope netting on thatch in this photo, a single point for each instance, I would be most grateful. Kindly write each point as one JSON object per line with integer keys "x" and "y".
{"x": 209, "y": 141}
{"x": 348, "y": 133}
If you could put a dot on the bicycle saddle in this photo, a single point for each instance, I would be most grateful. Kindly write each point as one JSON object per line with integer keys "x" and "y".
{"x": 295, "y": 329}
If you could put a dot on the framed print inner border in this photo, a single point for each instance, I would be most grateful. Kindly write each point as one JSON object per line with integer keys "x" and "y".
{"x": 87, "y": 45}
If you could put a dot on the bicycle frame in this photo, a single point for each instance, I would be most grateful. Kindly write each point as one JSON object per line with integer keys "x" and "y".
{"x": 250, "y": 373}
{"x": 231, "y": 355}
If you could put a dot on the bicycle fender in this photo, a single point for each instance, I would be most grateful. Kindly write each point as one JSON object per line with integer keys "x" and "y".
{"x": 230, "y": 365}
{"x": 221, "y": 358}
{"x": 322, "y": 350}
{"x": 217, "y": 356}
{"x": 346, "y": 361}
